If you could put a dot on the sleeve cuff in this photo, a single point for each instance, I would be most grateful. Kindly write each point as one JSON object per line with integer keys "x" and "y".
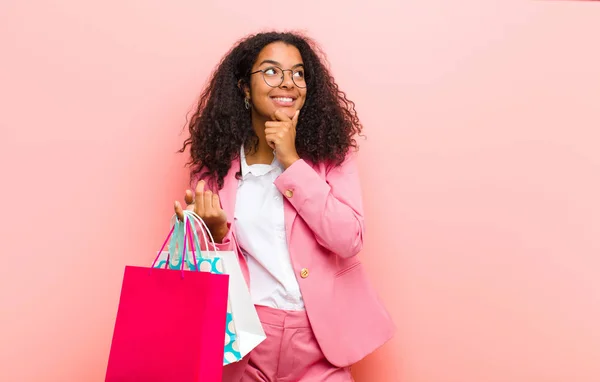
{"x": 298, "y": 182}
{"x": 225, "y": 244}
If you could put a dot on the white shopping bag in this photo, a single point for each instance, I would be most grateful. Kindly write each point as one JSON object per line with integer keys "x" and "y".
{"x": 249, "y": 330}
{"x": 244, "y": 329}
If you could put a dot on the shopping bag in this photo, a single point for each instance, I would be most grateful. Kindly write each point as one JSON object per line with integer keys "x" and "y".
{"x": 250, "y": 332}
{"x": 173, "y": 259}
{"x": 243, "y": 330}
{"x": 159, "y": 336}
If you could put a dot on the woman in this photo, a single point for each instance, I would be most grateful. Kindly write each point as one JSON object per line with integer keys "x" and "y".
{"x": 272, "y": 147}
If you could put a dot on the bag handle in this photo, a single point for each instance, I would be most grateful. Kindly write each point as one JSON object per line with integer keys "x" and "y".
{"x": 203, "y": 229}
{"x": 174, "y": 239}
{"x": 163, "y": 247}
{"x": 183, "y": 238}
{"x": 190, "y": 235}
{"x": 187, "y": 237}
{"x": 188, "y": 228}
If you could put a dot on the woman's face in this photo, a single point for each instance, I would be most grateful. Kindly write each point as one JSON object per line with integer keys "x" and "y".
{"x": 267, "y": 92}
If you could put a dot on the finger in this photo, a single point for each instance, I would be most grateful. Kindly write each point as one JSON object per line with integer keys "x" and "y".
{"x": 216, "y": 202}
{"x": 208, "y": 202}
{"x": 200, "y": 198}
{"x": 281, "y": 116}
{"x": 178, "y": 211}
{"x": 272, "y": 131}
{"x": 273, "y": 125}
{"x": 273, "y": 137}
{"x": 271, "y": 140}
{"x": 189, "y": 197}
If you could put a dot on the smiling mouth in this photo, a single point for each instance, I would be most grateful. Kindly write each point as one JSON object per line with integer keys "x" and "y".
{"x": 283, "y": 99}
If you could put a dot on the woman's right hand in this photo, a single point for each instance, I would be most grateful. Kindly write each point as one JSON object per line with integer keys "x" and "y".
{"x": 206, "y": 205}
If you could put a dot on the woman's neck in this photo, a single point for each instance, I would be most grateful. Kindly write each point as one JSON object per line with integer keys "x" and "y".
{"x": 264, "y": 152}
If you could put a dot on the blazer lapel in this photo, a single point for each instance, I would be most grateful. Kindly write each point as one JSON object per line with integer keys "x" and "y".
{"x": 227, "y": 195}
{"x": 290, "y": 214}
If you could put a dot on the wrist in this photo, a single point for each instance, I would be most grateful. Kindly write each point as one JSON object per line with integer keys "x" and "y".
{"x": 219, "y": 232}
{"x": 288, "y": 162}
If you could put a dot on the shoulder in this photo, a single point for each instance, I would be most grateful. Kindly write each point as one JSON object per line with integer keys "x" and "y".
{"x": 209, "y": 181}
{"x": 331, "y": 168}
{"x": 348, "y": 164}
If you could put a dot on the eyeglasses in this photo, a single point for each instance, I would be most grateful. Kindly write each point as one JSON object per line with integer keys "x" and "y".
{"x": 273, "y": 76}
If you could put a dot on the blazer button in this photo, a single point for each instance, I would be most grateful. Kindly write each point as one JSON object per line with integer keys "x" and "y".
{"x": 289, "y": 193}
{"x": 304, "y": 273}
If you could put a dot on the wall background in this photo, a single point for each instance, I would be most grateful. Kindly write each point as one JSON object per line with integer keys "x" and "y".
{"x": 481, "y": 172}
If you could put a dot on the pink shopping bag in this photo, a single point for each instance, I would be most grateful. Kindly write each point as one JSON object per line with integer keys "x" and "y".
{"x": 159, "y": 336}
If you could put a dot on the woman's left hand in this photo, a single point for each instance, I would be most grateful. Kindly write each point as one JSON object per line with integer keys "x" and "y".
{"x": 281, "y": 136}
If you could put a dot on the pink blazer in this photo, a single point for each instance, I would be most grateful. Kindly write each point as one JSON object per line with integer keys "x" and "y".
{"x": 325, "y": 228}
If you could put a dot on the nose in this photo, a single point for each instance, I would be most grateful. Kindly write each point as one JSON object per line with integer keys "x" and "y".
{"x": 287, "y": 81}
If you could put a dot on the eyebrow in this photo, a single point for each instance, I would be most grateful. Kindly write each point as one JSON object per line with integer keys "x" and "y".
{"x": 277, "y": 63}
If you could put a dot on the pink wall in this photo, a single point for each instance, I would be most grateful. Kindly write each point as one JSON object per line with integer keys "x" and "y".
{"x": 481, "y": 173}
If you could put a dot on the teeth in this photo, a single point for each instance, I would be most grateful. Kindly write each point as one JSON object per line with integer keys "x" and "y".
{"x": 283, "y": 99}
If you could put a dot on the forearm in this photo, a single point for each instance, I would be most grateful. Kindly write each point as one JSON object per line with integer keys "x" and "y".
{"x": 221, "y": 236}
{"x": 331, "y": 207}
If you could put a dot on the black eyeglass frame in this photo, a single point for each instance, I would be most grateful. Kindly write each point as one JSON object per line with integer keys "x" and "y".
{"x": 282, "y": 75}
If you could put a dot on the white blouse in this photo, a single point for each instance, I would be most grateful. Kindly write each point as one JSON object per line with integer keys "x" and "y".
{"x": 260, "y": 228}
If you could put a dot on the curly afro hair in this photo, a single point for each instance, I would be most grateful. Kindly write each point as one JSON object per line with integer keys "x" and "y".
{"x": 221, "y": 124}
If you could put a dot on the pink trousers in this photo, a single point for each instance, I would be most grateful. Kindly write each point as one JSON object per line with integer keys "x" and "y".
{"x": 289, "y": 354}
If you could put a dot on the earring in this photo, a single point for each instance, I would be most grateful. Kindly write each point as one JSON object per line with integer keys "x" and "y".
{"x": 247, "y": 103}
